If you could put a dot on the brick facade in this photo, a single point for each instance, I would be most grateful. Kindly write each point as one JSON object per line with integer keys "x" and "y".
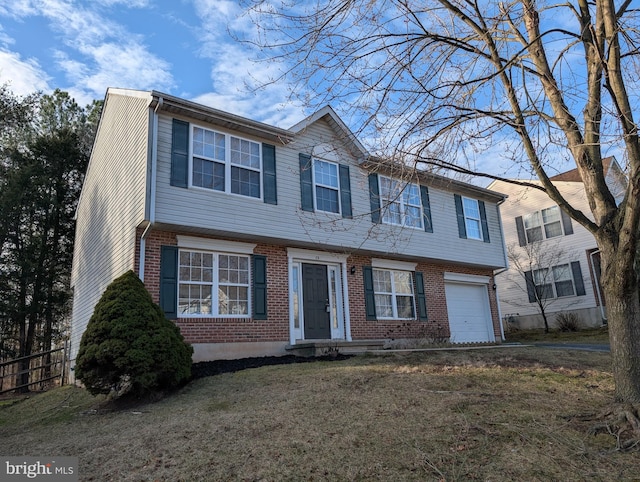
{"x": 276, "y": 327}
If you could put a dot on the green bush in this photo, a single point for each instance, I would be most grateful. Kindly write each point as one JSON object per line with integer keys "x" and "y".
{"x": 129, "y": 346}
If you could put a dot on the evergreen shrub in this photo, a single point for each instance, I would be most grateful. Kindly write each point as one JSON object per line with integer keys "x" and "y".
{"x": 129, "y": 346}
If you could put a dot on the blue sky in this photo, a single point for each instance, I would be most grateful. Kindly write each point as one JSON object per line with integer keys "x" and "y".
{"x": 180, "y": 47}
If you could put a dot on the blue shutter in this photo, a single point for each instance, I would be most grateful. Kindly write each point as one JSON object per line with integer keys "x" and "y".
{"x": 374, "y": 198}
{"x": 531, "y": 287}
{"x": 426, "y": 209}
{"x": 269, "y": 174}
{"x": 345, "y": 191}
{"x": 369, "y": 295}
{"x": 180, "y": 153}
{"x": 483, "y": 220}
{"x": 522, "y": 235}
{"x": 259, "y": 287}
{"x": 421, "y": 298}
{"x": 566, "y": 223}
{"x": 306, "y": 183}
{"x": 577, "y": 278}
{"x": 462, "y": 229}
{"x": 169, "y": 281}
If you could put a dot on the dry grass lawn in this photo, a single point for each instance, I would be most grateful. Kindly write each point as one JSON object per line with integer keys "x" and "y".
{"x": 498, "y": 414}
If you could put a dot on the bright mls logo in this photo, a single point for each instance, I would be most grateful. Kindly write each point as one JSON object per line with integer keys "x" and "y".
{"x": 52, "y": 469}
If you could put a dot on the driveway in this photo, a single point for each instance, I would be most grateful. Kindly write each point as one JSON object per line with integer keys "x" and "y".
{"x": 575, "y": 346}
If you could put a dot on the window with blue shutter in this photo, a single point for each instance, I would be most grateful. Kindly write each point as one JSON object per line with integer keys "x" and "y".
{"x": 306, "y": 182}
{"x": 369, "y": 294}
{"x": 462, "y": 230}
{"x": 180, "y": 154}
{"x": 259, "y": 287}
{"x": 483, "y": 221}
{"x": 426, "y": 209}
{"x": 269, "y": 174}
{"x": 345, "y": 191}
{"x": 421, "y": 297}
{"x": 544, "y": 224}
{"x": 374, "y": 198}
{"x": 169, "y": 281}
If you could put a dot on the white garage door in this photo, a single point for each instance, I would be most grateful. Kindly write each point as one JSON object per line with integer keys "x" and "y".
{"x": 469, "y": 313}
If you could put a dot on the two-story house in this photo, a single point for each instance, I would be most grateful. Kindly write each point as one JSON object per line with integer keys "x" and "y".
{"x": 256, "y": 239}
{"x": 558, "y": 258}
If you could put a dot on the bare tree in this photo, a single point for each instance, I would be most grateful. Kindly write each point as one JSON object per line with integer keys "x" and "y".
{"x": 448, "y": 83}
{"x": 545, "y": 276}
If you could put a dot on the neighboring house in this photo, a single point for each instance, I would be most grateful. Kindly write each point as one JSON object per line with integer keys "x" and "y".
{"x": 256, "y": 239}
{"x": 569, "y": 272}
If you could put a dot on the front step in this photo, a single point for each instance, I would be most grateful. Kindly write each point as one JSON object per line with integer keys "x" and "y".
{"x": 315, "y": 348}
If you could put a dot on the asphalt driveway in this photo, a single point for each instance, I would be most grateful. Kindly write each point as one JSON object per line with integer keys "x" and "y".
{"x": 575, "y": 346}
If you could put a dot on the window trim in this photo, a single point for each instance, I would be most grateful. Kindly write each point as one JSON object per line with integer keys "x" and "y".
{"x": 551, "y": 280}
{"x": 215, "y": 284}
{"x": 468, "y": 217}
{"x": 315, "y": 185}
{"x": 384, "y": 207}
{"x": 394, "y": 294}
{"x": 228, "y": 165}
{"x": 542, "y": 224}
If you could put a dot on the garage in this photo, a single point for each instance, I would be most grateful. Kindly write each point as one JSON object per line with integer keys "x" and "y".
{"x": 469, "y": 312}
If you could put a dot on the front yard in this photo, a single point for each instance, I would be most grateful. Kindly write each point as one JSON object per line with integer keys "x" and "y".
{"x": 497, "y": 414}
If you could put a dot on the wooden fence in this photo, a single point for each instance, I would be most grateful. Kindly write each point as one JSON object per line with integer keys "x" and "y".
{"x": 40, "y": 371}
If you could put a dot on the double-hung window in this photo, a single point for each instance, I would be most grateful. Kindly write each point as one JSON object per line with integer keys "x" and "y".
{"x": 472, "y": 218}
{"x": 543, "y": 224}
{"x": 327, "y": 186}
{"x": 401, "y": 203}
{"x": 213, "y": 284}
{"x": 226, "y": 163}
{"x": 393, "y": 291}
{"x": 554, "y": 282}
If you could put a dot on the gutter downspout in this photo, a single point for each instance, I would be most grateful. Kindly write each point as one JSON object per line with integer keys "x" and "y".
{"x": 496, "y": 273}
{"x": 152, "y": 190}
{"x": 506, "y": 262}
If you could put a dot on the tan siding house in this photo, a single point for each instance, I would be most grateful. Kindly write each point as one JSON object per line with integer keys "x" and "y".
{"x": 557, "y": 256}
{"x": 112, "y": 203}
{"x": 257, "y": 240}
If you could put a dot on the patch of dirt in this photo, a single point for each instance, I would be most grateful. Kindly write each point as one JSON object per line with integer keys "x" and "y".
{"x": 211, "y": 368}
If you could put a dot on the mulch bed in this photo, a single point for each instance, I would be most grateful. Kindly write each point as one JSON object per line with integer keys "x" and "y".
{"x": 211, "y": 368}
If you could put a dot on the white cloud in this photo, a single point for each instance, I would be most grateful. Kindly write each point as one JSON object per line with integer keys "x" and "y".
{"x": 24, "y": 76}
{"x": 128, "y": 3}
{"x": 109, "y": 54}
{"x": 240, "y": 84}
{"x": 115, "y": 65}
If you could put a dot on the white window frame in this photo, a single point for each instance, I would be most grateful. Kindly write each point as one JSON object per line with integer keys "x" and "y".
{"x": 394, "y": 294}
{"x": 317, "y": 183}
{"x": 215, "y": 284}
{"x": 537, "y": 215}
{"x": 468, "y": 217}
{"x": 228, "y": 164}
{"x": 400, "y": 199}
{"x": 550, "y": 279}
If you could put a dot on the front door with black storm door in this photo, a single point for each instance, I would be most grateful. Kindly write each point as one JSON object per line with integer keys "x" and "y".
{"x": 315, "y": 299}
